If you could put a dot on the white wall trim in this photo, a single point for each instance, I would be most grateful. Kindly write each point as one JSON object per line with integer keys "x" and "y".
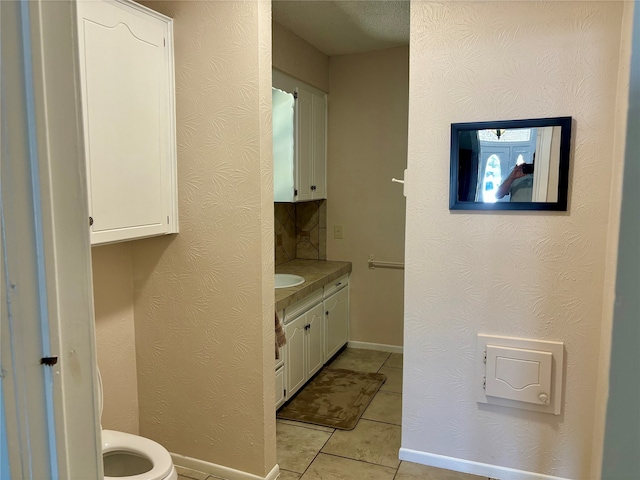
{"x": 376, "y": 346}
{"x": 468, "y": 466}
{"x": 219, "y": 470}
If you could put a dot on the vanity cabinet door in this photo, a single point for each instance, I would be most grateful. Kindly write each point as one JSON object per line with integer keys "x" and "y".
{"x": 315, "y": 340}
{"x": 319, "y": 174}
{"x": 312, "y": 145}
{"x": 295, "y": 361}
{"x": 336, "y": 310}
{"x": 280, "y": 387}
{"x": 304, "y": 175}
{"x": 305, "y": 348}
{"x": 126, "y": 78}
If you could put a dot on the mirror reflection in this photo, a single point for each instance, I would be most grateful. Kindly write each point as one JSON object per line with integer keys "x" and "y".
{"x": 503, "y": 165}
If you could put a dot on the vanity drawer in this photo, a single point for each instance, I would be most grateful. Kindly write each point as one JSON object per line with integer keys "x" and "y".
{"x": 336, "y": 285}
{"x": 290, "y": 313}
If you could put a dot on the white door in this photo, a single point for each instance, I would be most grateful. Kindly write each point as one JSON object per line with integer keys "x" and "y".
{"x": 295, "y": 358}
{"x": 50, "y": 424}
{"x": 337, "y": 321}
{"x": 304, "y": 107}
{"x": 315, "y": 339}
{"x": 318, "y": 186}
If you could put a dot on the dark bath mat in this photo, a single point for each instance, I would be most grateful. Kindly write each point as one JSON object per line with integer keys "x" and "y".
{"x": 335, "y": 398}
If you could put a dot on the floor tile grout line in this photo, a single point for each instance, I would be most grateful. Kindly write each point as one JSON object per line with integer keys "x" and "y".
{"x": 380, "y": 421}
{"x": 308, "y": 428}
{"x": 358, "y": 460}
{"x": 316, "y": 455}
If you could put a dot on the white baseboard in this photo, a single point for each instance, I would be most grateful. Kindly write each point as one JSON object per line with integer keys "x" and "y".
{"x": 376, "y": 346}
{"x": 467, "y": 466}
{"x": 221, "y": 471}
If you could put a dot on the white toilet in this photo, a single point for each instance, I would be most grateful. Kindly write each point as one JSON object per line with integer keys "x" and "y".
{"x": 131, "y": 457}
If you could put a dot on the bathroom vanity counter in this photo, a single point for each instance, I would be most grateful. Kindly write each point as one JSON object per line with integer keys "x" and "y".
{"x": 316, "y": 273}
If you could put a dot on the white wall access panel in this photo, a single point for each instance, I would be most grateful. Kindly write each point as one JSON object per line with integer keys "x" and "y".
{"x": 520, "y": 373}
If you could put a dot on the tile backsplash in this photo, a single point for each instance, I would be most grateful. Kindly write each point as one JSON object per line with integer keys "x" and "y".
{"x": 300, "y": 231}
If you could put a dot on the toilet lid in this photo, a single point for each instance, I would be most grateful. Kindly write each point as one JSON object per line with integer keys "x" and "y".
{"x": 113, "y": 441}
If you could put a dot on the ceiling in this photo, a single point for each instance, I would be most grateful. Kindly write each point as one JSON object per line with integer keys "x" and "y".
{"x": 345, "y": 27}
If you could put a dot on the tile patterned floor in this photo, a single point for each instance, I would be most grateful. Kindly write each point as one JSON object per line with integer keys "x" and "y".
{"x": 368, "y": 451}
{"x": 311, "y": 452}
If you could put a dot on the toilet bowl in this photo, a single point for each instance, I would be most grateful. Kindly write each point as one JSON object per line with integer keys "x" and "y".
{"x": 132, "y": 457}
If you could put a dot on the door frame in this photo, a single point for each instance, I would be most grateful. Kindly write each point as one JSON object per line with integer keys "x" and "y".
{"x": 56, "y": 216}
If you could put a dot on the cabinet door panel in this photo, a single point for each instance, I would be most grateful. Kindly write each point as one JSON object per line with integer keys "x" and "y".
{"x": 295, "y": 362}
{"x": 315, "y": 339}
{"x": 280, "y": 388}
{"x": 126, "y": 107}
{"x": 305, "y": 144}
{"x": 319, "y": 147}
{"x": 337, "y": 321}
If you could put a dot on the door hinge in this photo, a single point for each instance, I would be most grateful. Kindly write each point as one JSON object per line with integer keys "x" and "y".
{"x": 90, "y": 221}
{"x": 164, "y": 42}
{"x": 484, "y": 383}
{"x": 48, "y": 361}
{"x": 295, "y": 95}
{"x": 485, "y": 357}
{"x": 167, "y": 219}
{"x": 295, "y": 192}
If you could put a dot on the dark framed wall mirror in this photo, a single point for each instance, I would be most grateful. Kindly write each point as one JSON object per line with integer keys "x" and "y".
{"x": 510, "y": 164}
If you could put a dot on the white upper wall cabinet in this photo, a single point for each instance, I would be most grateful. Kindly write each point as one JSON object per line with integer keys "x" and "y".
{"x": 126, "y": 70}
{"x": 299, "y": 140}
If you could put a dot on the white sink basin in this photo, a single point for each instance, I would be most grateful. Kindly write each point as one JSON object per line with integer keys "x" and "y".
{"x": 284, "y": 280}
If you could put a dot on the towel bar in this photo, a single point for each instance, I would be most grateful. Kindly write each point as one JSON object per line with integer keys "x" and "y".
{"x": 376, "y": 263}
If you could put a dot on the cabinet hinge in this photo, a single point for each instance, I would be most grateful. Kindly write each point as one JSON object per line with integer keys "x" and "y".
{"x": 295, "y": 94}
{"x": 164, "y": 42}
{"x": 484, "y": 383}
{"x": 485, "y": 357}
{"x": 285, "y": 392}
{"x": 167, "y": 219}
{"x": 295, "y": 192}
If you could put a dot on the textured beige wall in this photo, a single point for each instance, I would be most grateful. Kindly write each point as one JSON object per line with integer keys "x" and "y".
{"x": 204, "y": 298}
{"x": 531, "y": 274}
{"x": 115, "y": 335}
{"x": 368, "y": 109}
{"x": 294, "y": 56}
